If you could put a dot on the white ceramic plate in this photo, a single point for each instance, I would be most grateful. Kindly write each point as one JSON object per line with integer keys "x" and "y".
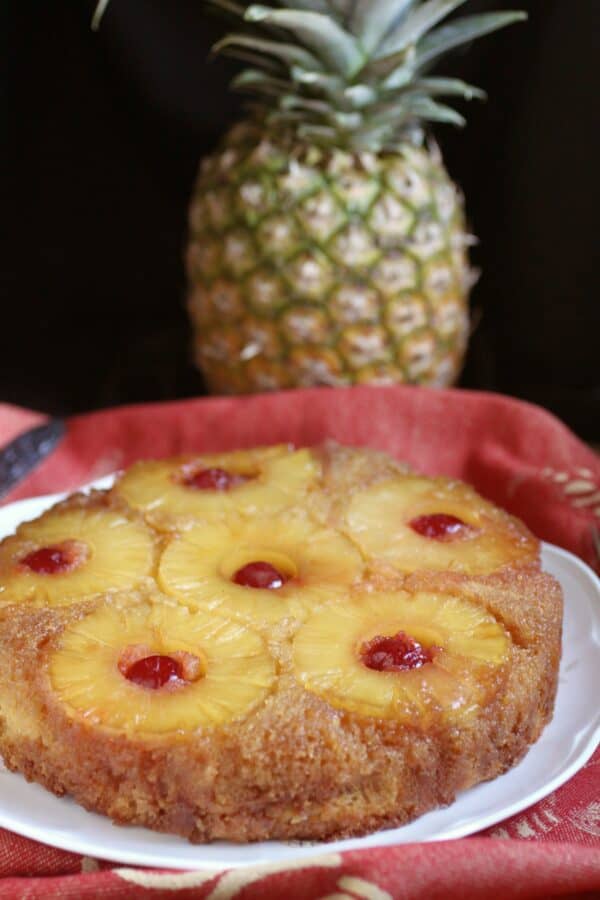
{"x": 565, "y": 746}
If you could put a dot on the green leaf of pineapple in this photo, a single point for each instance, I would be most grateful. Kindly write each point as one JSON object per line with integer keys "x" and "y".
{"x": 461, "y": 31}
{"x": 319, "y": 6}
{"x": 415, "y": 106}
{"x": 290, "y": 54}
{"x": 254, "y": 60}
{"x": 449, "y": 87}
{"x": 428, "y": 110}
{"x": 319, "y": 33}
{"x": 399, "y": 77}
{"x": 255, "y": 80}
{"x": 361, "y": 95}
{"x": 293, "y": 101}
{"x": 331, "y": 85}
{"x": 418, "y": 23}
{"x": 372, "y": 19}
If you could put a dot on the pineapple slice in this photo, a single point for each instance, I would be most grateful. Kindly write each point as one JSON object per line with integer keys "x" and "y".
{"x": 315, "y": 565}
{"x": 176, "y": 493}
{"x": 420, "y": 523}
{"x": 69, "y": 554}
{"x": 457, "y": 652}
{"x": 221, "y": 669}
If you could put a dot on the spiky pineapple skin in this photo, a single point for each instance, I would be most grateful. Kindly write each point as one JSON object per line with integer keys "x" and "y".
{"x": 310, "y": 267}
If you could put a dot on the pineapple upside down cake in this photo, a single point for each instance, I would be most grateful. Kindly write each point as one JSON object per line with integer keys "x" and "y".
{"x": 273, "y": 643}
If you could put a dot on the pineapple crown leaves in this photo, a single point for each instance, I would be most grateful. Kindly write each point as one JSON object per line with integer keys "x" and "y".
{"x": 350, "y": 73}
{"x": 353, "y": 72}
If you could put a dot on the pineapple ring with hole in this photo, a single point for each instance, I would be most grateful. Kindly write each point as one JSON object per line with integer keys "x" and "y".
{"x": 117, "y": 554}
{"x": 466, "y": 668}
{"x": 236, "y": 669}
{"x": 378, "y": 518}
{"x": 278, "y": 478}
{"x": 320, "y": 564}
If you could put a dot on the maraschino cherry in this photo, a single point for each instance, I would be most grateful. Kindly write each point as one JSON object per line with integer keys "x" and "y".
{"x": 49, "y": 560}
{"x": 213, "y": 479}
{"x": 439, "y": 526}
{"x": 398, "y": 653}
{"x": 154, "y": 671}
{"x": 260, "y": 575}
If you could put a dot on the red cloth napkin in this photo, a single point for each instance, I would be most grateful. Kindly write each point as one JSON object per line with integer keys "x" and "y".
{"x": 516, "y": 454}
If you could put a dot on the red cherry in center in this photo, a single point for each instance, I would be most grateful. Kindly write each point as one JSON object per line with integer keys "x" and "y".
{"x": 260, "y": 575}
{"x": 154, "y": 671}
{"x": 48, "y": 561}
{"x": 213, "y": 480}
{"x": 439, "y": 526}
{"x": 397, "y": 653}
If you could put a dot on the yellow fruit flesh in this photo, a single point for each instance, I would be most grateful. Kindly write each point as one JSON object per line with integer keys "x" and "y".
{"x": 277, "y": 478}
{"x": 378, "y": 519}
{"x": 472, "y": 646}
{"x": 118, "y": 554}
{"x": 236, "y": 671}
{"x": 198, "y": 566}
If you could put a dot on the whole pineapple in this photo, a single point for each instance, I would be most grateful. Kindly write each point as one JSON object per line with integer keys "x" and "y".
{"x": 327, "y": 243}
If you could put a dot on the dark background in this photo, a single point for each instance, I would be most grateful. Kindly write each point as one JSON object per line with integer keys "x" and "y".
{"x": 104, "y": 134}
